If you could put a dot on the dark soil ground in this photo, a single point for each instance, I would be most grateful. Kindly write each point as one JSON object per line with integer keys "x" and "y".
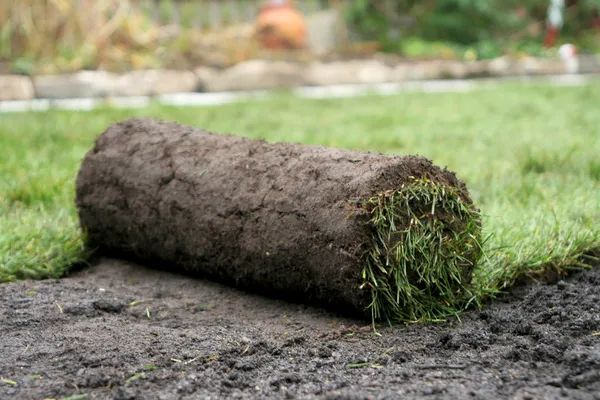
{"x": 187, "y": 338}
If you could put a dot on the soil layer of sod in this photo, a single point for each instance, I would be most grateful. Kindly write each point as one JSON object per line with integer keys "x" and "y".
{"x": 121, "y": 331}
{"x": 388, "y": 237}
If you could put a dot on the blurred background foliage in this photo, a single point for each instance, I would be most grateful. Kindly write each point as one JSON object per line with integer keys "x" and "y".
{"x": 490, "y": 28}
{"x": 45, "y": 36}
{"x": 48, "y": 36}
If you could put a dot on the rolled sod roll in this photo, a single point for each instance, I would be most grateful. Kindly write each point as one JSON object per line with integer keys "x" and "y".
{"x": 365, "y": 234}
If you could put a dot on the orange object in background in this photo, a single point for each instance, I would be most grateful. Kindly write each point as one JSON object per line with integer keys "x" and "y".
{"x": 280, "y": 25}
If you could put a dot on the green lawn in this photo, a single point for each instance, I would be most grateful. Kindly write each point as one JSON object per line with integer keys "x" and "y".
{"x": 529, "y": 156}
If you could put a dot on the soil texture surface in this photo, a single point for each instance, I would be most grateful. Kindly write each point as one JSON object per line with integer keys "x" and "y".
{"x": 117, "y": 330}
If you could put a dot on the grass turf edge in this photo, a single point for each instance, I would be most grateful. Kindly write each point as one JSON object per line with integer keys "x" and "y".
{"x": 426, "y": 244}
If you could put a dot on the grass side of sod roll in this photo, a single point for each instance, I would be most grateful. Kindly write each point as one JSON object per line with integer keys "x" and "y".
{"x": 527, "y": 154}
{"x": 427, "y": 241}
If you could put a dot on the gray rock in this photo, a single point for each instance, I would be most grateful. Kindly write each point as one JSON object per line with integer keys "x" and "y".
{"x": 253, "y": 75}
{"x": 540, "y": 66}
{"x": 454, "y": 70}
{"x": 155, "y": 82}
{"x": 77, "y": 85}
{"x": 427, "y": 70}
{"x": 589, "y": 64}
{"x": 400, "y": 73}
{"x": 506, "y": 66}
{"x": 204, "y": 76}
{"x": 478, "y": 69}
{"x": 339, "y": 73}
{"x": 550, "y": 67}
{"x": 16, "y": 87}
{"x": 501, "y": 66}
{"x": 106, "y": 84}
{"x": 528, "y": 66}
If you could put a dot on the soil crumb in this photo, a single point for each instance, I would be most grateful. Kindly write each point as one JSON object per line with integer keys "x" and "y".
{"x": 121, "y": 331}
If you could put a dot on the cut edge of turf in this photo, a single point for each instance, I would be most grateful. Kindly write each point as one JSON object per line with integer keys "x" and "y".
{"x": 426, "y": 245}
{"x": 42, "y": 248}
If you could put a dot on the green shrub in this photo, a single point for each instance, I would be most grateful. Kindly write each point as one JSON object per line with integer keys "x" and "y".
{"x": 488, "y": 26}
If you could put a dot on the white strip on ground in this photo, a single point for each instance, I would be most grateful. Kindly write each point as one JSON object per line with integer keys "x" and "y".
{"x": 320, "y": 92}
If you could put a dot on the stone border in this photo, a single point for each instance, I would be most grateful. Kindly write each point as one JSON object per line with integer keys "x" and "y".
{"x": 269, "y": 75}
{"x": 186, "y": 99}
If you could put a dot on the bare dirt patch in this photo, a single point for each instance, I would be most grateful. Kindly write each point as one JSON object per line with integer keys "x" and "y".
{"x": 120, "y": 331}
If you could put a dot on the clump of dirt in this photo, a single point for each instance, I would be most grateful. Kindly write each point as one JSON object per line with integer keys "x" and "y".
{"x": 120, "y": 331}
